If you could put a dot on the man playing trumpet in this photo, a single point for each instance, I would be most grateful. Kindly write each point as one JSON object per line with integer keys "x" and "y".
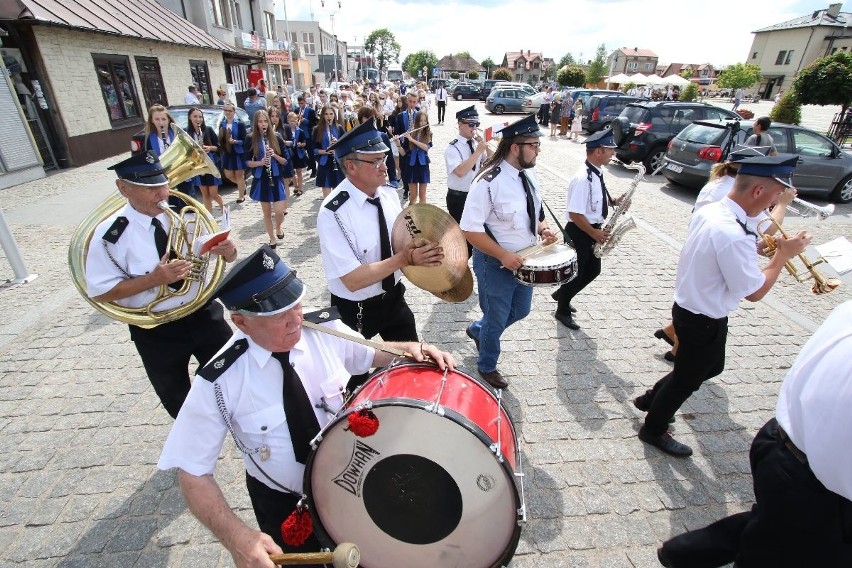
{"x": 127, "y": 264}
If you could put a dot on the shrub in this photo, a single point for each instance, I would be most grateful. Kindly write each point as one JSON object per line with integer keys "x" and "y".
{"x": 788, "y": 109}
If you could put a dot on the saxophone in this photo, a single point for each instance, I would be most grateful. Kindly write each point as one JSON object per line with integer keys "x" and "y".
{"x": 616, "y": 230}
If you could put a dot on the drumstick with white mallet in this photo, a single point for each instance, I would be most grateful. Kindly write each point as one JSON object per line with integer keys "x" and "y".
{"x": 374, "y": 344}
{"x": 345, "y": 555}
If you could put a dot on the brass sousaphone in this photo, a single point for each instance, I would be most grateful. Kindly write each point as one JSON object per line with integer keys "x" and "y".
{"x": 182, "y": 160}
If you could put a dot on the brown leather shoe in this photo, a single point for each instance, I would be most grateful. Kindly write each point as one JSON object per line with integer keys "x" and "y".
{"x": 494, "y": 378}
{"x": 473, "y": 337}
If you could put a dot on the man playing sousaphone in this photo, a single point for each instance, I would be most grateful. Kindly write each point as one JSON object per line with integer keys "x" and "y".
{"x": 128, "y": 264}
{"x": 503, "y": 215}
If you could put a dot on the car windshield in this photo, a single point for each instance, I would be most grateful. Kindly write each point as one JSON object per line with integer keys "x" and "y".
{"x": 635, "y": 114}
{"x": 702, "y": 134}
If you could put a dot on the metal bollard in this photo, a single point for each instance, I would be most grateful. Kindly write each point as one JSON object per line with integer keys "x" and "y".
{"x": 10, "y": 247}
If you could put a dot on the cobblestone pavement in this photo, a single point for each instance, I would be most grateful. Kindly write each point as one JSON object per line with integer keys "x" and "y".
{"x": 82, "y": 429}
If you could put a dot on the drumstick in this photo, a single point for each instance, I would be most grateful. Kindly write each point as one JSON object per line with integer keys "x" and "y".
{"x": 345, "y": 555}
{"x": 534, "y": 249}
{"x": 361, "y": 340}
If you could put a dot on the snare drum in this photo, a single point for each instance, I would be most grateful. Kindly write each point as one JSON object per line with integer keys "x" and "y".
{"x": 553, "y": 266}
{"x": 434, "y": 486}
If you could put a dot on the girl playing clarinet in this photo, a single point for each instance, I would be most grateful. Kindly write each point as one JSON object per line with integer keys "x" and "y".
{"x": 325, "y": 134}
{"x": 267, "y": 187}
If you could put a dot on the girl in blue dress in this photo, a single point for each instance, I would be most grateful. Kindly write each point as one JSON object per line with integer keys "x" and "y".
{"x": 419, "y": 142}
{"x": 268, "y": 164}
{"x": 325, "y": 134}
{"x": 287, "y": 168}
{"x": 232, "y": 137}
{"x": 206, "y": 137}
{"x": 297, "y": 142}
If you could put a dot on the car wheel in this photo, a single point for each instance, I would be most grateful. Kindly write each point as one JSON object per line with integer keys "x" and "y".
{"x": 843, "y": 192}
{"x": 499, "y": 109}
{"x": 458, "y": 97}
{"x": 654, "y": 159}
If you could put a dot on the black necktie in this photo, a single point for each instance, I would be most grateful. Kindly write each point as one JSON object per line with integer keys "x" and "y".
{"x": 530, "y": 202}
{"x": 161, "y": 239}
{"x": 384, "y": 242}
{"x": 606, "y": 197}
{"x": 301, "y": 419}
{"x": 470, "y": 145}
{"x": 746, "y": 229}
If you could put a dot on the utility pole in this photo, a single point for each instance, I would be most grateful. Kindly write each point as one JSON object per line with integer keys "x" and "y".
{"x": 331, "y": 16}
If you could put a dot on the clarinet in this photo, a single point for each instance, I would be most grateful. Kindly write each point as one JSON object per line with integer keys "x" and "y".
{"x": 265, "y": 148}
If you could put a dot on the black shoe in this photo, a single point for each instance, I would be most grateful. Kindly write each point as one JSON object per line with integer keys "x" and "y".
{"x": 555, "y": 294}
{"x": 660, "y": 334}
{"x": 494, "y": 378}
{"x": 663, "y": 559}
{"x": 572, "y": 309}
{"x": 669, "y": 356}
{"x": 641, "y": 404}
{"x": 665, "y": 443}
{"x": 566, "y": 320}
{"x": 472, "y": 336}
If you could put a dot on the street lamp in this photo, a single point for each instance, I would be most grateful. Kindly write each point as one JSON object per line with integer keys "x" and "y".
{"x": 331, "y": 16}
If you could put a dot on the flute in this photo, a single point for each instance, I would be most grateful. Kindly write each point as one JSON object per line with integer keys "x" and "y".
{"x": 408, "y": 132}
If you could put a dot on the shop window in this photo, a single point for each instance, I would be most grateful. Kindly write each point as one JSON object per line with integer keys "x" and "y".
{"x": 116, "y": 83}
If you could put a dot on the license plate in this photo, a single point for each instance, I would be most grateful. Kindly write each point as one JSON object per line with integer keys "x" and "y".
{"x": 674, "y": 167}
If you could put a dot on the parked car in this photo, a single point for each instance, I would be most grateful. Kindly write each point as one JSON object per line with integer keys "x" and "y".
{"x": 465, "y": 91}
{"x": 505, "y": 99}
{"x": 656, "y": 123}
{"x": 533, "y": 102}
{"x": 601, "y": 109}
{"x": 585, "y": 94}
{"x": 824, "y": 168}
{"x": 487, "y": 85}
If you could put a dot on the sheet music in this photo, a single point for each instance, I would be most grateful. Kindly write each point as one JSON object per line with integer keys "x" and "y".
{"x": 838, "y": 254}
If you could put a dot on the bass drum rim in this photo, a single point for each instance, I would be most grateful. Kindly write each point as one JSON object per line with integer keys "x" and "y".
{"x": 461, "y": 420}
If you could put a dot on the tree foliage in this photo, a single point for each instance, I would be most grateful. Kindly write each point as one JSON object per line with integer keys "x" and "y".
{"x": 488, "y": 63}
{"x": 415, "y": 62}
{"x": 383, "y": 45}
{"x": 686, "y": 73}
{"x": 473, "y": 74}
{"x": 826, "y": 81}
{"x": 454, "y": 74}
{"x": 689, "y": 93}
{"x": 597, "y": 68}
{"x": 464, "y": 54}
{"x": 788, "y": 110}
{"x": 627, "y": 86}
{"x": 566, "y": 60}
{"x": 739, "y": 76}
{"x": 502, "y": 73}
{"x": 571, "y": 76}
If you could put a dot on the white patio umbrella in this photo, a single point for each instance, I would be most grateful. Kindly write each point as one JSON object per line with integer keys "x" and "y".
{"x": 654, "y": 80}
{"x": 621, "y": 78}
{"x": 638, "y": 78}
{"x": 675, "y": 80}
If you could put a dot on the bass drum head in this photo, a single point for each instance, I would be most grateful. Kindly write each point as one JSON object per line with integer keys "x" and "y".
{"x": 424, "y": 491}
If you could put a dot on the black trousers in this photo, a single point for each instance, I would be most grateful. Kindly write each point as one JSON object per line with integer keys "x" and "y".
{"x": 271, "y": 508}
{"x": 387, "y": 316}
{"x": 442, "y": 110}
{"x": 700, "y": 356}
{"x": 588, "y": 267}
{"x": 166, "y": 350}
{"x": 795, "y": 521}
{"x": 455, "y": 206}
{"x": 545, "y": 114}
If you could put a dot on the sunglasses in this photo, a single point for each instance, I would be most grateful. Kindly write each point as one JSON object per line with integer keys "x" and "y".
{"x": 472, "y": 124}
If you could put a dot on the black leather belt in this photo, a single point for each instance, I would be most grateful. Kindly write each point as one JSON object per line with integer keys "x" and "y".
{"x": 788, "y": 443}
{"x": 457, "y": 192}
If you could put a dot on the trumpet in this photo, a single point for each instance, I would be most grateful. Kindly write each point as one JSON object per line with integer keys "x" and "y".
{"x": 807, "y": 209}
{"x": 822, "y": 285}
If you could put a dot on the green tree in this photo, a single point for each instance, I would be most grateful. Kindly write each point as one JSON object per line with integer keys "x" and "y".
{"x": 473, "y": 74}
{"x": 739, "y": 76}
{"x": 826, "y": 81}
{"x": 689, "y": 93}
{"x": 788, "y": 110}
{"x": 686, "y": 73}
{"x": 571, "y": 76}
{"x": 415, "y": 62}
{"x": 489, "y": 64}
{"x": 597, "y": 68}
{"x": 628, "y": 86}
{"x": 566, "y": 60}
{"x": 502, "y": 73}
{"x": 464, "y": 54}
{"x": 384, "y": 47}
{"x": 454, "y": 75}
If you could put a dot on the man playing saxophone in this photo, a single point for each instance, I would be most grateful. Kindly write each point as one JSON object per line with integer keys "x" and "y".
{"x": 588, "y": 207}
{"x": 128, "y": 264}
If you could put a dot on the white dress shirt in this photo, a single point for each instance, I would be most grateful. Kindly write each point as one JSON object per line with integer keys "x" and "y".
{"x": 502, "y": 205}
{"x": 455, "y": 154}
{"x": 359, "y": 221}
{"x": 718, "y": 189}
{"x": 191, "y": 99}
{"x": 816, "y": 398}
{"x": 584, "y": 197}
{"x": 718, "y": 264}
{"x": 252, "y": 388}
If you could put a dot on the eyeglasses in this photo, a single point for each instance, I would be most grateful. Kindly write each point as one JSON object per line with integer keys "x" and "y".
{"x": 376, "y": 164}
{"x": 533, "y": 144}
{"x": 472, "y": 124}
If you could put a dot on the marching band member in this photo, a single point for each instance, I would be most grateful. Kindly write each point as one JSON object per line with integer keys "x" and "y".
{"x": 131, "y": 264}
{"x": 503, "y": 215}
{"x": 269, "y": 386}
{"x": 588, "y": 207}
{"x": 419, "y": 141}
{"x": 718, "y": 267}
{"x": 232, "y": 135}
{"x": 365, "y": 114}
{"x": 268, "y": 184}
{"x": 354, "y": 226}
{"x": 464, "y": 158}
{"x": 405, "y": 122}
{"x": 296, "y": 141}
{"x": 802, "y": 473}
{"x": 206, "y": 137}
{"x": 325, "y": 135}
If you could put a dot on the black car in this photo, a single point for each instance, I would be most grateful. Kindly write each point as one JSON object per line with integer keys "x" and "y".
{"x": 601, "y": 109}
{"x": 465, "y": 91}
{"x": 656, "y": 123}
{"x": 823, "y": 169}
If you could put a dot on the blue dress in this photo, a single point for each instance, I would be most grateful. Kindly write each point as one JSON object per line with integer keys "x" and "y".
{"x": 233, "y": 159}
{"x": 287, "y": 170}
{"x": 299, "y": 155}
{"x": 264, "y": 188}
{"x": 209, "y": 139}
{"x": 418, "y": 162}
{"x": 328, "y": 172}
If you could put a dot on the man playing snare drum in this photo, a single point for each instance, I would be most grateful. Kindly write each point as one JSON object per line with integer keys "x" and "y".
{"x": 503, "y": 215}
{"x": 273, "y": 386}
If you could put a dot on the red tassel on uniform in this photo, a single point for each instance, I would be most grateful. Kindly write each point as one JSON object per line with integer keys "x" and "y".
{"x": 297, "y": 527}
{"x": 363, "y": 423}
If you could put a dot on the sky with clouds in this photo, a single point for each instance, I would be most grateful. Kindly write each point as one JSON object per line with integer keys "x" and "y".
{"x": 678, "y": 31}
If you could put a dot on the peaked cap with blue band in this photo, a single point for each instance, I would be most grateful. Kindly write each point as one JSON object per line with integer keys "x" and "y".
{"x": 262, "y": 284}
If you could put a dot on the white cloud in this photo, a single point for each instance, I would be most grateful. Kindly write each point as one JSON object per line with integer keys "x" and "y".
{"x": 717, "y": 32}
